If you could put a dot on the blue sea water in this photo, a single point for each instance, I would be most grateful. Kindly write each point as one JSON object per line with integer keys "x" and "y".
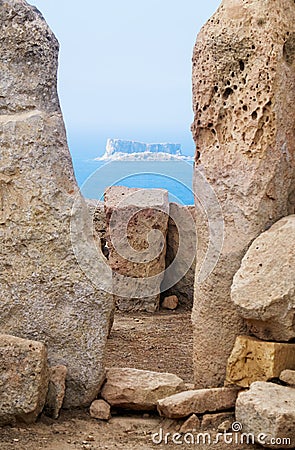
{"x": 176, "y": 176}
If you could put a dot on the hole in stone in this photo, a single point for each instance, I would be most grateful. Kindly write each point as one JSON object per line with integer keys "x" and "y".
{"x": 242, "y": 65}
{"x": 228, "y": 91}
{"x": 254, "y": 115}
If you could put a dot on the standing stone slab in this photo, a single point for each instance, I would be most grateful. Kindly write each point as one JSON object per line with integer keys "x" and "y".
{"x": 263, "y": 289}
{"x": 44, "y": 295}
{"x": 268, "y": 412}
{"x": 184, "y": 270}
{"x": 24, "y": 379}
{"x": 254, "y": 360}
{"x": 244, "y": 106}
{"x": 56, "y": 391}
{"x": 137, "y": 221}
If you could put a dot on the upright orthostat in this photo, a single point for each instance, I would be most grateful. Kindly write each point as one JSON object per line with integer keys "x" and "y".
{"x": 244, "y": 130}
{"x": 44, "y": 295}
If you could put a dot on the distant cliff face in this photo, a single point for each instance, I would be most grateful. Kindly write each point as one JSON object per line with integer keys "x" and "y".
{"x": 121, "y": 146}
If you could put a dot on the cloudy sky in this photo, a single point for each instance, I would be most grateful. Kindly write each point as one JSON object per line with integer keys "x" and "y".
{"x": 125, "y": 68}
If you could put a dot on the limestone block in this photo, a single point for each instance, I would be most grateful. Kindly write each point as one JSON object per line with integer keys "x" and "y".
{"x": 137, "y": 222}
{"x": 263, "y": 289}
{"x": 267, "y": 411}
{"x": 138, "y": 389}
{"x": 23, "y": 379}
{"x": 197, "y": 402}
{"x": 254, "y": 360}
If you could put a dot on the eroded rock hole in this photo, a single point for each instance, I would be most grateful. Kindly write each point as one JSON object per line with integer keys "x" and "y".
{"x": 228, "y": 91}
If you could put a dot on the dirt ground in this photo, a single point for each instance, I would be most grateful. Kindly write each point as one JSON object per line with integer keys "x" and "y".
{"x": 160, "y": 342}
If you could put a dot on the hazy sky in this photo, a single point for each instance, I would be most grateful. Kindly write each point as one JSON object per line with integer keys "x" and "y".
{"x": 125, "y": 68}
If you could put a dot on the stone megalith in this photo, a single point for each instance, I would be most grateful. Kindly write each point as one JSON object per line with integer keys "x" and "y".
{"x": 137, "y": 224}
{"x": 44, "y": 295}
{"x": 244, "y": 130}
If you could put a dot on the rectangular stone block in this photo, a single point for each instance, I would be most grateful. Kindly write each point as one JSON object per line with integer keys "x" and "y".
{"x": 24, "y": 378}
{"x": 137, "y": 223}
{"x": 254, "y": 360}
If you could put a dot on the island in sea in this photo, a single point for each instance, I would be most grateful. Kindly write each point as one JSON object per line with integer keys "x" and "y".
{"x": 119, "y": 149}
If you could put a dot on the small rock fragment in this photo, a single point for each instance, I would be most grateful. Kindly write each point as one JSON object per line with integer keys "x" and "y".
{"x": 288, "y": 377}
{"x": 193, "y": 423}
{"x": 213, "y": 421}
{"x": 100, "y": 409}
{"x": 170, "y": 302}
{"x": 225, "y": 426}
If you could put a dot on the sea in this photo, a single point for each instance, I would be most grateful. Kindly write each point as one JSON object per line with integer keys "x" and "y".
{"x": 94, "y": 176}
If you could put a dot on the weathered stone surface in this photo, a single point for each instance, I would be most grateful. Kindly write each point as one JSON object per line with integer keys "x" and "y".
{"x": 254, "y": 360}
{"x": 214, "y": 421}
{"x": 197, "y": 402}
{"x": 193, "y": 423}
{"x": 23, "y": 379}
{"x": 44, "y": 295}
{"x": 170, "y": 302}
{"x": 137, "y": 221}
{"x": 268, "y": 410}
{"x": 288, "y": 377}
{"x": 243, "y": 99}
{"x": 100, "y": 409}
{"x": 263, "y": 289}
{"x": 56, "y": 391}
{"x": 138, "y": 389}
{"x": 184, "y": 288}
{"x": 99, "y": 224}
